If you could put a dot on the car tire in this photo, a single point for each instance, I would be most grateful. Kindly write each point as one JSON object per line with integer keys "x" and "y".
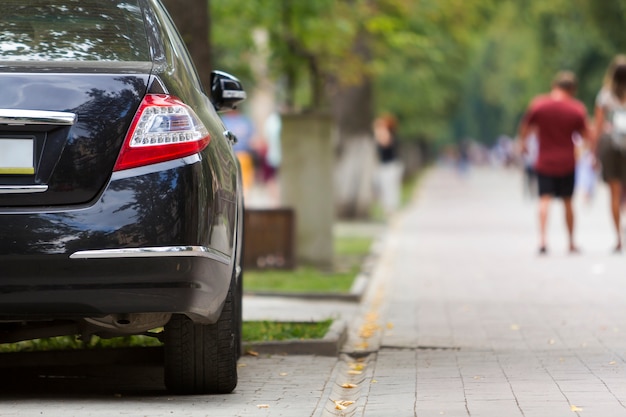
{"x": 202, "y": 358}
{"x": 239, "y": 316}
{"x": 239, "y": 299}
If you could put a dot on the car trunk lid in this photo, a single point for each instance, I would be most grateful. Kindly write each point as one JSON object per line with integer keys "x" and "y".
{"x": 61, "y": 133}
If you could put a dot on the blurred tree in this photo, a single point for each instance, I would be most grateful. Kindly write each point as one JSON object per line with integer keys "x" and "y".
{"x": 522, "y": 48}
{"x": 608, "y": 17}
{"x": 422, "y": 68}
{"x": 320, "y": 55}
{"x": 448, "y": 69}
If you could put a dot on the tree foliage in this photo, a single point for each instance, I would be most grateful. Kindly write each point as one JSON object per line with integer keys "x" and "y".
{"x": 449, "y": 69}
{"x": 521, "y": 49}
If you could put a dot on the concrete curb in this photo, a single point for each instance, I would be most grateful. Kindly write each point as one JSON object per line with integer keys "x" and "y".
{"x": 329, "y": 345}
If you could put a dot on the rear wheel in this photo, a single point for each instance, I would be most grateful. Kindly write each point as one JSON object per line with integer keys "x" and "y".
{"x": 239, "y": 315}
{"x": 202, "y": 358}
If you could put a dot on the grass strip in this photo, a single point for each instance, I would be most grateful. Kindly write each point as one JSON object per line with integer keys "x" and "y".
{"x": 304, "y": 280}
{"x": 349, "y": 254}
{"x": 253, "y": 331}
{"x": 270, "y": 331}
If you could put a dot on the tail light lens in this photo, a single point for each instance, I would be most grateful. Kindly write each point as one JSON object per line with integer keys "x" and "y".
{"x": 163, "y": 129}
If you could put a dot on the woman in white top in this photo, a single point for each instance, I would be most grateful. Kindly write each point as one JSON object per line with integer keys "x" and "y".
{"x": 610, "y": 135}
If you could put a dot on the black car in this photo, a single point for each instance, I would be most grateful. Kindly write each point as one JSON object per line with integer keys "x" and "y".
{"x": 121, "y": 207}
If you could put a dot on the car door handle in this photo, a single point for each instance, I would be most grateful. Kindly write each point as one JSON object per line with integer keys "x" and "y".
{"x": 230, "y": 136}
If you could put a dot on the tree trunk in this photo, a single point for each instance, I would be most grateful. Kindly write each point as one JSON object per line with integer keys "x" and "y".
{"x": 193, "y": 20}
{"x": 356, "y": 153}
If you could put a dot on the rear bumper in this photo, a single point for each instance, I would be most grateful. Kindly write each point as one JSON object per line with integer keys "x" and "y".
{"x": 159, "y": 239}
{"x": 95, "y": 284}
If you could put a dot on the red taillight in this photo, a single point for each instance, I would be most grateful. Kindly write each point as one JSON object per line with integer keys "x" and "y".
{"x": 163, "y": 129}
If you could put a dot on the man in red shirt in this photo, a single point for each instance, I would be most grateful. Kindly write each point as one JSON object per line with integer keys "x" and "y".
{"x": 556, "y": 118}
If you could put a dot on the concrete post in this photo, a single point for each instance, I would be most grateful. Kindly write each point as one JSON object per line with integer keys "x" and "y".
{"x": 306, "y": 177}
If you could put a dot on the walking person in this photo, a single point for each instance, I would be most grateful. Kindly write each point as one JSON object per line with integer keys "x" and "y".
{"x": 555, "y": 118}
{"x": 610, "y": 136}
{"x": 390, "y": 167}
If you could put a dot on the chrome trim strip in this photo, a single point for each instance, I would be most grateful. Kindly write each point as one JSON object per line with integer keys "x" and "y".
{"x": 36, "y": 117}
{"x": 165, "y": 251}
{"x": 161, "y": 166}
{"x": 22, "y": 189}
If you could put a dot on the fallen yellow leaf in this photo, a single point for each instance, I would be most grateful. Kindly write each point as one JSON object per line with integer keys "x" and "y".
{"x": 514, "y": 326}
{"x": 263, "y": 406}
{"x": 362, "y": 346}
{"x": 575, "y": 409}
{"x": 353, "y": 372}
{"x": 357, "y": 366}
{"x": 348, "y": 385}
{"x": 252, "y": 353}
{"x": 368, "y": 330}
{"x": 371, "y": 316}
{"x": 342, "y": 405}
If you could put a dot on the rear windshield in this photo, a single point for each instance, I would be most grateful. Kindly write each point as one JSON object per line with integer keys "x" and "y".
{"x": 72, "y": 30}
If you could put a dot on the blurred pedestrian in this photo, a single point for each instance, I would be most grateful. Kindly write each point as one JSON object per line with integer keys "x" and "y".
{"x": 555, "y": 118}
{"x": 389, "y": 167}
{"x": 610, "y": 136}
{"x": 272, "y": 131}
{"x": 242, "y": 127}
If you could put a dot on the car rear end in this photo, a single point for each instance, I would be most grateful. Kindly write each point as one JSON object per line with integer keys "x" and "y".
{"x": 118, "y": 192}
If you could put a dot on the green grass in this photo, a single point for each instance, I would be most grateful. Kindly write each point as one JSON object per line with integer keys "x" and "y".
{"x": 74, "y": 343}
{"x": 349, "y": 255}
{"x": 266, "y": 331}
{"x": 253, "y": 331}
{"x": 303, "y": 280}
{"x": 352, "y": 246}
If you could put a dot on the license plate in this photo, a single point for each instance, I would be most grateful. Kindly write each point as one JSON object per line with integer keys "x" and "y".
{"x": 17, "y": 156}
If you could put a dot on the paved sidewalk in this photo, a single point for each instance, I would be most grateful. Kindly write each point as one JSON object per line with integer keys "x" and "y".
{"x": 470, "y": 321}
{"x": 461, "y": 318}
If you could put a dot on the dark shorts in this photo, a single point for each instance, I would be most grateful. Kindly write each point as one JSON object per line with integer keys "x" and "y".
{"x": 556, "y": 186}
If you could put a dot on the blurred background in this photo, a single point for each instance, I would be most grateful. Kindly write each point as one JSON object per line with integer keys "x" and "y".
{"x": 454, "y": 73}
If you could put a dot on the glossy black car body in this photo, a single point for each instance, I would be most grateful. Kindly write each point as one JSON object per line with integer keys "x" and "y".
{"x": 120, "y": 197}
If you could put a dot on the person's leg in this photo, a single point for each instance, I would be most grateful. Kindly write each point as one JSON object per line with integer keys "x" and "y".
{"x": 544, "y": 205}
{"x": 565, "y": 190}
{"x": 546, "y": 189}
{"x": 615, "y": 188}
{"x": 569, "y": 221}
